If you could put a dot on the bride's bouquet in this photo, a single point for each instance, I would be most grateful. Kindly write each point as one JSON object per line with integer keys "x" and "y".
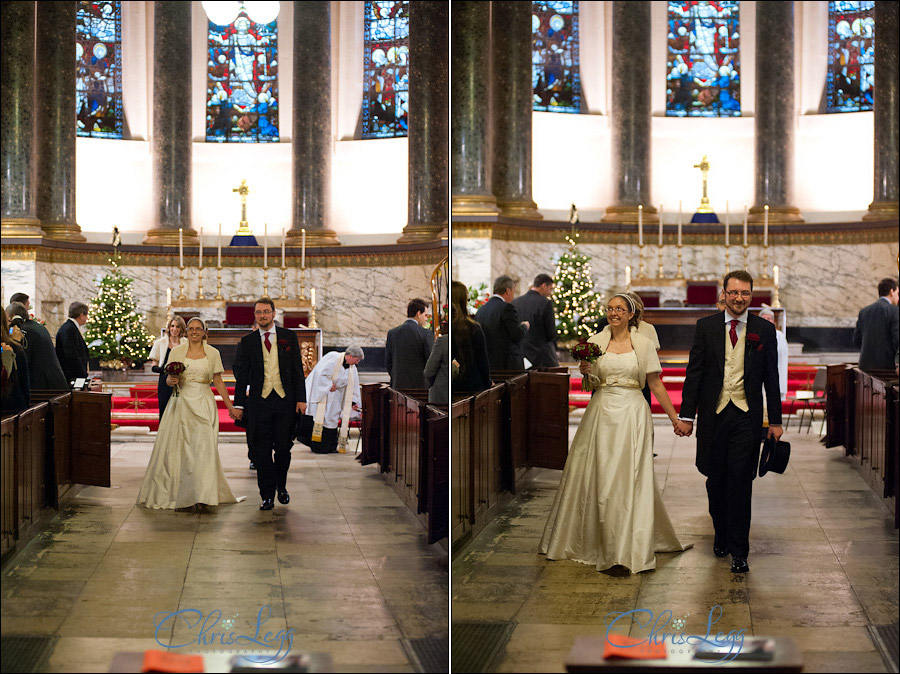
{"x": 587, "y": 351}
{"x": 175, "y": 369}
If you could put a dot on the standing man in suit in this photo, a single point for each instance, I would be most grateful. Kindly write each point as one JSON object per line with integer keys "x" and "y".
{"x": 536, "y": 308}
{"x": 503, "y": 331}
{"x": 876, "y": 333}
{"x": 44, "y": 371}
{"x": 407, "y": 348}
{"x": 268, "y": 360}
{"x": 70, "y": 347}
{"x": 734, "y": 356}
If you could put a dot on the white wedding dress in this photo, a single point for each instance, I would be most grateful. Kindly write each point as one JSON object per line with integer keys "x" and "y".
{"x": 608, "y": 509}
{"x": 184, "y": 467}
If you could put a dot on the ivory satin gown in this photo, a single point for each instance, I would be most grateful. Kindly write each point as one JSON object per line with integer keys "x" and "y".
{"x": 608, "y": 509}
{"x": 185, "y": 468}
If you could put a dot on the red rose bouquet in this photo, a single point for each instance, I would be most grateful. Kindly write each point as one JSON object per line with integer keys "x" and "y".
{"x": 175, "y": 369}
{"x": 587, "y": 351}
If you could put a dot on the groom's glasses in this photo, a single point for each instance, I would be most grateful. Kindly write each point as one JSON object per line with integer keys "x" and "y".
{"x": 733, "y": 294}
{"x": 267, "y": 312}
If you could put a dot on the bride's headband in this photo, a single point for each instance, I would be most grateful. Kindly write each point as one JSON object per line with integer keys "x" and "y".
{"x": 628, "y": 300}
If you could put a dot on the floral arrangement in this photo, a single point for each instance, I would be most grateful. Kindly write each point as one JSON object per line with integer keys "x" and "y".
{"x": 36, "y": 319}
{"x": 587, "y": 351}
{"x": 175, "y": 369}
{"x": 478, "y": 297}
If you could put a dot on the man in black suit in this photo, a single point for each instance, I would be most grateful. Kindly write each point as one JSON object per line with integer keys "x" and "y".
{"x": 503, "y": 331}
{"x": 407, "y": 348}
{"x": 44, "y": 371}
{"x": 71, "y": 350}
{"x": 535, "y": 307}
{"x": 876, "y": 333}
{"x": 734, "y": 355}
{"x": 268, "y": 360}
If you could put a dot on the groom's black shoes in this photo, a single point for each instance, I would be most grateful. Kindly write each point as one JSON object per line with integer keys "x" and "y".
{"x": 719, "y": 551}
{"x": 739, "y": 565}
{"x": 267, "y": 504}
{"x": 283, "y": 496}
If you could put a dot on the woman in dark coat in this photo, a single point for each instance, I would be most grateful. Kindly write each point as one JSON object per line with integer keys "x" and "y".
{"x": 471, "y": 370}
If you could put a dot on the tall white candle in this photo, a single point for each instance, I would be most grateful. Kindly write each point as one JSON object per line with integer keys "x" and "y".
{"x": 775, "y": 274}
{"x": 168, "y": 297}
{"x": 303, "y": 249}
{"x": 727, "y": 222}
{"x": 200, "y": 256}
{"x": 312, "y": 296}
{"x": 180, "y": 247}
{"x": 627, "y": 276}
{"x": 679, "y": 222}
{"x": 220, "y": 245}
{"x": 282, "y": 246}
{"x": 766, "y": 226}
{"x": 265, "y": 245}
{"x": 746, "y": 216}
{"x": 660, "y": 226}
{"x": 640, "y": 225}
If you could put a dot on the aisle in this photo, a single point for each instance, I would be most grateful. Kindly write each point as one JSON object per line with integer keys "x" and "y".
{"x": 823, "y": 564}
{"x": 345, "y": 566}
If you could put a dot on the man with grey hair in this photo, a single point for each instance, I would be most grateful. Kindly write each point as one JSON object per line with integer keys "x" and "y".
{"x": 333, "y": 395}
{"x": 769, "y": 315}
{"x": 503, "y": 331}
{"x": 70, "y": 347}
{"x": 44, "y": 371}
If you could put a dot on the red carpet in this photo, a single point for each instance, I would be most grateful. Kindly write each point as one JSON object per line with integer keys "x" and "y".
{"x": 141, "y": 408}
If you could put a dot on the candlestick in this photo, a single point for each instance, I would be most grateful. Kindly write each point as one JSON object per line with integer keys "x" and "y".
{"x": 200, "y": 284}
{"x": 180, "y": 247}
{"x": 200, "y": 257}
{"x": 775, "y": 274}
{"x": 776, "y": 301}
{"x": 640, "y": 225}
{"x": 312, "y": 308}
{"x": 303, "y": 249}
{"x": 168, "y": 297}
{"x": 181, "y": 294}
{"x": 312, "y": 296}
{"x": 265, "y": 281}
{"x": 219, "y": 264}
{"x": 679, "y": 274}
{"x": 641, "y": 261}
{"x": 283, "y": 295}
{"x": 219, "y": 283}
{"x": 766, "y": 226}
{"x": 627, "y": 276}
{"x": 265, "y": 247}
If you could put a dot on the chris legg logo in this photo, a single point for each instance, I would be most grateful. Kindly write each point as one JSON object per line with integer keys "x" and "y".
{"x": 728, "y": 646}
{"x": 206, "y": 634}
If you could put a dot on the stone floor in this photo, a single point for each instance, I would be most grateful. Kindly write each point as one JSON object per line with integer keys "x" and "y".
{"x": 823, "y": 565}
{"x": 345, "y": 566}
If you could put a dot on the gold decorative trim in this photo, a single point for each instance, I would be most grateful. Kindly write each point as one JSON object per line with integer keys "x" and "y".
{"x": 423, "y": 232}
{"x": 474, "y": 204}
{"x": 22, "y": 228}
{"x": 778, "y": 215}
{"x": 314, "y": 238}
{"x": 520, "y": 209}
{"x": 883, "y": 210}
{"x": 62, "y": 231}
{"x": 166, "y": 236}
{"x": 628, "y": 215}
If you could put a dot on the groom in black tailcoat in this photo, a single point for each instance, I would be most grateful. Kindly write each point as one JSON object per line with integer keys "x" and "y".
{"x": 734, "y": 355}
{"x": 268, "y": 359}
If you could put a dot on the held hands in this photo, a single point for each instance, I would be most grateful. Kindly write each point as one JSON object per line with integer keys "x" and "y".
{"x": 235, "y": 413}
{"x": 683, "y": 429}
{"x": 776, "y": 432}
{"x": 301, "y": 408}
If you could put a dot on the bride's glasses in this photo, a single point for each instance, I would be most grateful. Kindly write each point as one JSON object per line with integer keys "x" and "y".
{"x": 616, "y": 310}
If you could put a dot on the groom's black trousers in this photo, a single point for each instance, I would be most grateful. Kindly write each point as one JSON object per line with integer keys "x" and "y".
{"x": 730, "y": 481}
{"x": 272, "y": 426}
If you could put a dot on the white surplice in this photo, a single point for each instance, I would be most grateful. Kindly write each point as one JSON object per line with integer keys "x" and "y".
{"x": 318, "y": 384}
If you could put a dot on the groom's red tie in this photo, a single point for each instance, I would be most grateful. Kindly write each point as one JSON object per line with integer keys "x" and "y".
{"x": 269, "y": 344}
{"x": 731, "y": 333}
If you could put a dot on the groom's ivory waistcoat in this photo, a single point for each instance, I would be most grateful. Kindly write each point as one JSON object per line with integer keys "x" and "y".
{"x": 733, "y": 382}
{"x": 271, "y": 373}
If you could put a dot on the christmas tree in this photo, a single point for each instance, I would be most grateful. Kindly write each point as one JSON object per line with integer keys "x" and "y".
{"x": 578, "y": 308}
{"x": 115, "y": 332}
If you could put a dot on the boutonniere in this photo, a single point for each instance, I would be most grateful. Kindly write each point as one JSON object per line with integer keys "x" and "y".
{"x": 754, "y": 342}
{"x": 283, "y": 344}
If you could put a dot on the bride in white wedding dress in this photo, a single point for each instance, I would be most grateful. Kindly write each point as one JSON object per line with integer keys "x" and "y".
{"x": 608, "y": 510}
{"x": 185, "y": 469}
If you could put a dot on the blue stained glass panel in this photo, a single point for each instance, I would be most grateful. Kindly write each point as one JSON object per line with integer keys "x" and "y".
{"x": 850, "y": 84}
{"x": 703, "y": 59}
{"x": 385, "y": 106}
{"x": 555, "y": 72}
{"x": 98, "y": 69}
{"x": 242, "y": 82}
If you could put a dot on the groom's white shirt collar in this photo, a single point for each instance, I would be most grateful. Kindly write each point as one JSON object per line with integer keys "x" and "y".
{"x": 742, "y": 318}
{"x": 262, "y": 333}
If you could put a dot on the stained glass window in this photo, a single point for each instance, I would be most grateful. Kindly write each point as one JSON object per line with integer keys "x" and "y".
{"x": 850, "y": 83}
{"x": 385, "y": 110}
{"x": 98, "y": 69}
{"x": 242, "y": 82}
{"x": 703, "y": 66}
{"x": 555, "y": 75}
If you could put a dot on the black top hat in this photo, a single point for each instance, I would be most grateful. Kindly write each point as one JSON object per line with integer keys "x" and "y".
{"x": 775, "y": 455}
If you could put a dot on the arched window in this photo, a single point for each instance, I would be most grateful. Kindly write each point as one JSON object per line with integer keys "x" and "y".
{"x": 555, "y": 75}
{"x": 242, "y": 82}
{"x": 385, "y": 107}
{"x": 98, "y": 69}
{"x": 703, "y": 66}
{"x": 850, "y": 85}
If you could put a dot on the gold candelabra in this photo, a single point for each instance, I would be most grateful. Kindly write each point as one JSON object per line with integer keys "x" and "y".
{"x": 283, "y": 295}
{"x": 219, "y": 283}
{"x": 200, "y": 284}
{"x": 641, "y": 273}
{"x": 303, "y": 283}
{"x": 679, "y": 274}
{"x": 312, "y": 317}
{"x": 659, "y": 269}
{"x": 181, "y": 294}
{"x": 265, "y": 281}
{"x": 765, "y": 269}
{"x": 746, "y": 255}
{"x": 727, "y": 263}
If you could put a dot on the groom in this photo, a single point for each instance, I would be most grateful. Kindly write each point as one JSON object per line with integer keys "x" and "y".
{"x": 268, "y": 360}
{"x": 734, "y": 355}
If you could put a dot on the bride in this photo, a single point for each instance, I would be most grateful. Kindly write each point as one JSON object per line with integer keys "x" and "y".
{"x": 608, "y": 510}
{"x": 185, "y": 470}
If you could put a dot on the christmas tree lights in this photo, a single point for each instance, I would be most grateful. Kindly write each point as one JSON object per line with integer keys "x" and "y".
{"x": 578, "y": 308}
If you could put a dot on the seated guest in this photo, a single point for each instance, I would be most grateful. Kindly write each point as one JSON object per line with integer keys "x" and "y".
{"x": 471, "y": 370}
{"x": 44, "y": 371}
{"x": 408, "y": 347}
{"x": 15, "y": 392}
{"x": 70, "y": 347}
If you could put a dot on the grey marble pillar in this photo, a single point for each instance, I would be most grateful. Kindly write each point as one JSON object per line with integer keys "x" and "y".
{"x": 171, "y": 141}
{"x": 775, "y": 113}
{"x": 630, "y": 114}
{"x": 429, "y": 130}
{"x": 17, "y": 138}
{"x": 311, "y": 115}
{"x": 56, "y": 122}
{"x": 511, "y": 48}
{"x": 884, "y": 204}
{"x": 470, "y": 121}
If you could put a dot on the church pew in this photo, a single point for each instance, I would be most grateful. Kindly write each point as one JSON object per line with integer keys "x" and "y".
{"x": 514, "y": 428}
{"x": 462, "y": 509}
{"x": 437, "y": 479}
{"x": 7, "y": 483}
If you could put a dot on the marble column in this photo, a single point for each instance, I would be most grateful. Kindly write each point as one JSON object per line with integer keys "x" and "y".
{"x": 171, "y": 141}
{"x": 775, "y": 113}
{"x": 630, "y": 114}
{"x": 18, "y": 217}
{"x": 470, "y": 120}
{"x": 884, "y": 204}
{"x": 56, "y": 122}
{"x": 428, "y": 123}
{"x": 511, "y": 48}
{"x": 311, "y": 115}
